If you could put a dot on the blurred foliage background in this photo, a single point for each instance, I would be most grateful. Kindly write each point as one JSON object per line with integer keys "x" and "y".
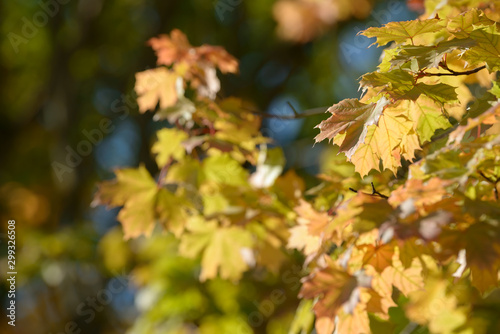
{"x": 66, "y": 65}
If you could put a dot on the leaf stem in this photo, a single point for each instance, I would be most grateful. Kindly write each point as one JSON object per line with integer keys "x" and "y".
{"x": 163, "y": 173}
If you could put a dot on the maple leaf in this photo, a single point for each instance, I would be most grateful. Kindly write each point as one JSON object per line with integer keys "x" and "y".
{"x": 219, "y": 57}
{"x": 170, "y": 49}
{"x": 488, "y": 48}
{"x": 365, "y": 158}
{"x": 352, "y": 118}
{"x": 428, "y": 117}
{"x": 378, "y": 256}
{"x": 392, "y": 126}
{"x": 334, "y": 287}
{"x": 400, "y": 84}
{"x": 225, "y": 249}
{"x": 396, "y": 81}
{"x": 302, "y": 240}
{"x": 441, "y": 93}
{"x": 138, "y": 215}
{"x": 176, "y": 48}
{"x": 312, "y": 229}
{"x": 155, "y": 86}
{"x": 128, "y": 183}
{"x": 409, "y": 144}
{"x": 429, "y": 56}
{"x": 356, "y": 322}
{"x": 144, "y": 204}
{"x": 462, "y": 25}
{"x": 403, "y": 31}
{"x": 169, "y": 146}
{"x": 406, "y": 280}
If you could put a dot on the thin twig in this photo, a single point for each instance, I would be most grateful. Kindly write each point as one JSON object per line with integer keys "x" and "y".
{"x": 493, "y": 182}
{"x": 374, "y": 192}
{"x": 296, "y": 115}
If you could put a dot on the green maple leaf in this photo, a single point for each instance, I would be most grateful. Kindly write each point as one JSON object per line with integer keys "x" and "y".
{"x": 403, "y": 31}
{"x": 441, "y": 93}
{"x": 397, "y": 79}
{"x": 400, "y": 84}
{"x": 429, "y": 118}
{"x": 144, "y": 203}
{"x": 463, "y": 25}
{"x": 429, "y": 56}
{"x": 487, "y": 49}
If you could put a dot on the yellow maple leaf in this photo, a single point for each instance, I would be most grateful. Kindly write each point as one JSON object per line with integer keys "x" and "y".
{"x": 169, "y": 145}
{"x": 393, "y": 124}
{"x": 155, "y": 86}
{"x": 406, "y": 280}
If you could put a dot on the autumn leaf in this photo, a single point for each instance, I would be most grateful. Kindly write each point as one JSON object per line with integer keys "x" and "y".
{"x": 352, "y": 118}
{"x": 356, "y": 322}
{"x": 366, "y": 158}
{"x": 144, "y": 204}
{"x": 392, "y": 126}
{"x": 406, "y": 280}
{"x": 378, "y": 256}
{"x": 312, "y": 229}
{"x": 169, "y": 146}
{"x": 155, "y": 86}
{"x": 334, "y": 287}
{"x": 176, "y": 48}
{"x": 403, "y": 31}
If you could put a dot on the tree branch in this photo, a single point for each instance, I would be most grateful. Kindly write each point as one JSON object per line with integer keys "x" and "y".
{"x": 296, "y": 115}
{"x": 452, "y": 72}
